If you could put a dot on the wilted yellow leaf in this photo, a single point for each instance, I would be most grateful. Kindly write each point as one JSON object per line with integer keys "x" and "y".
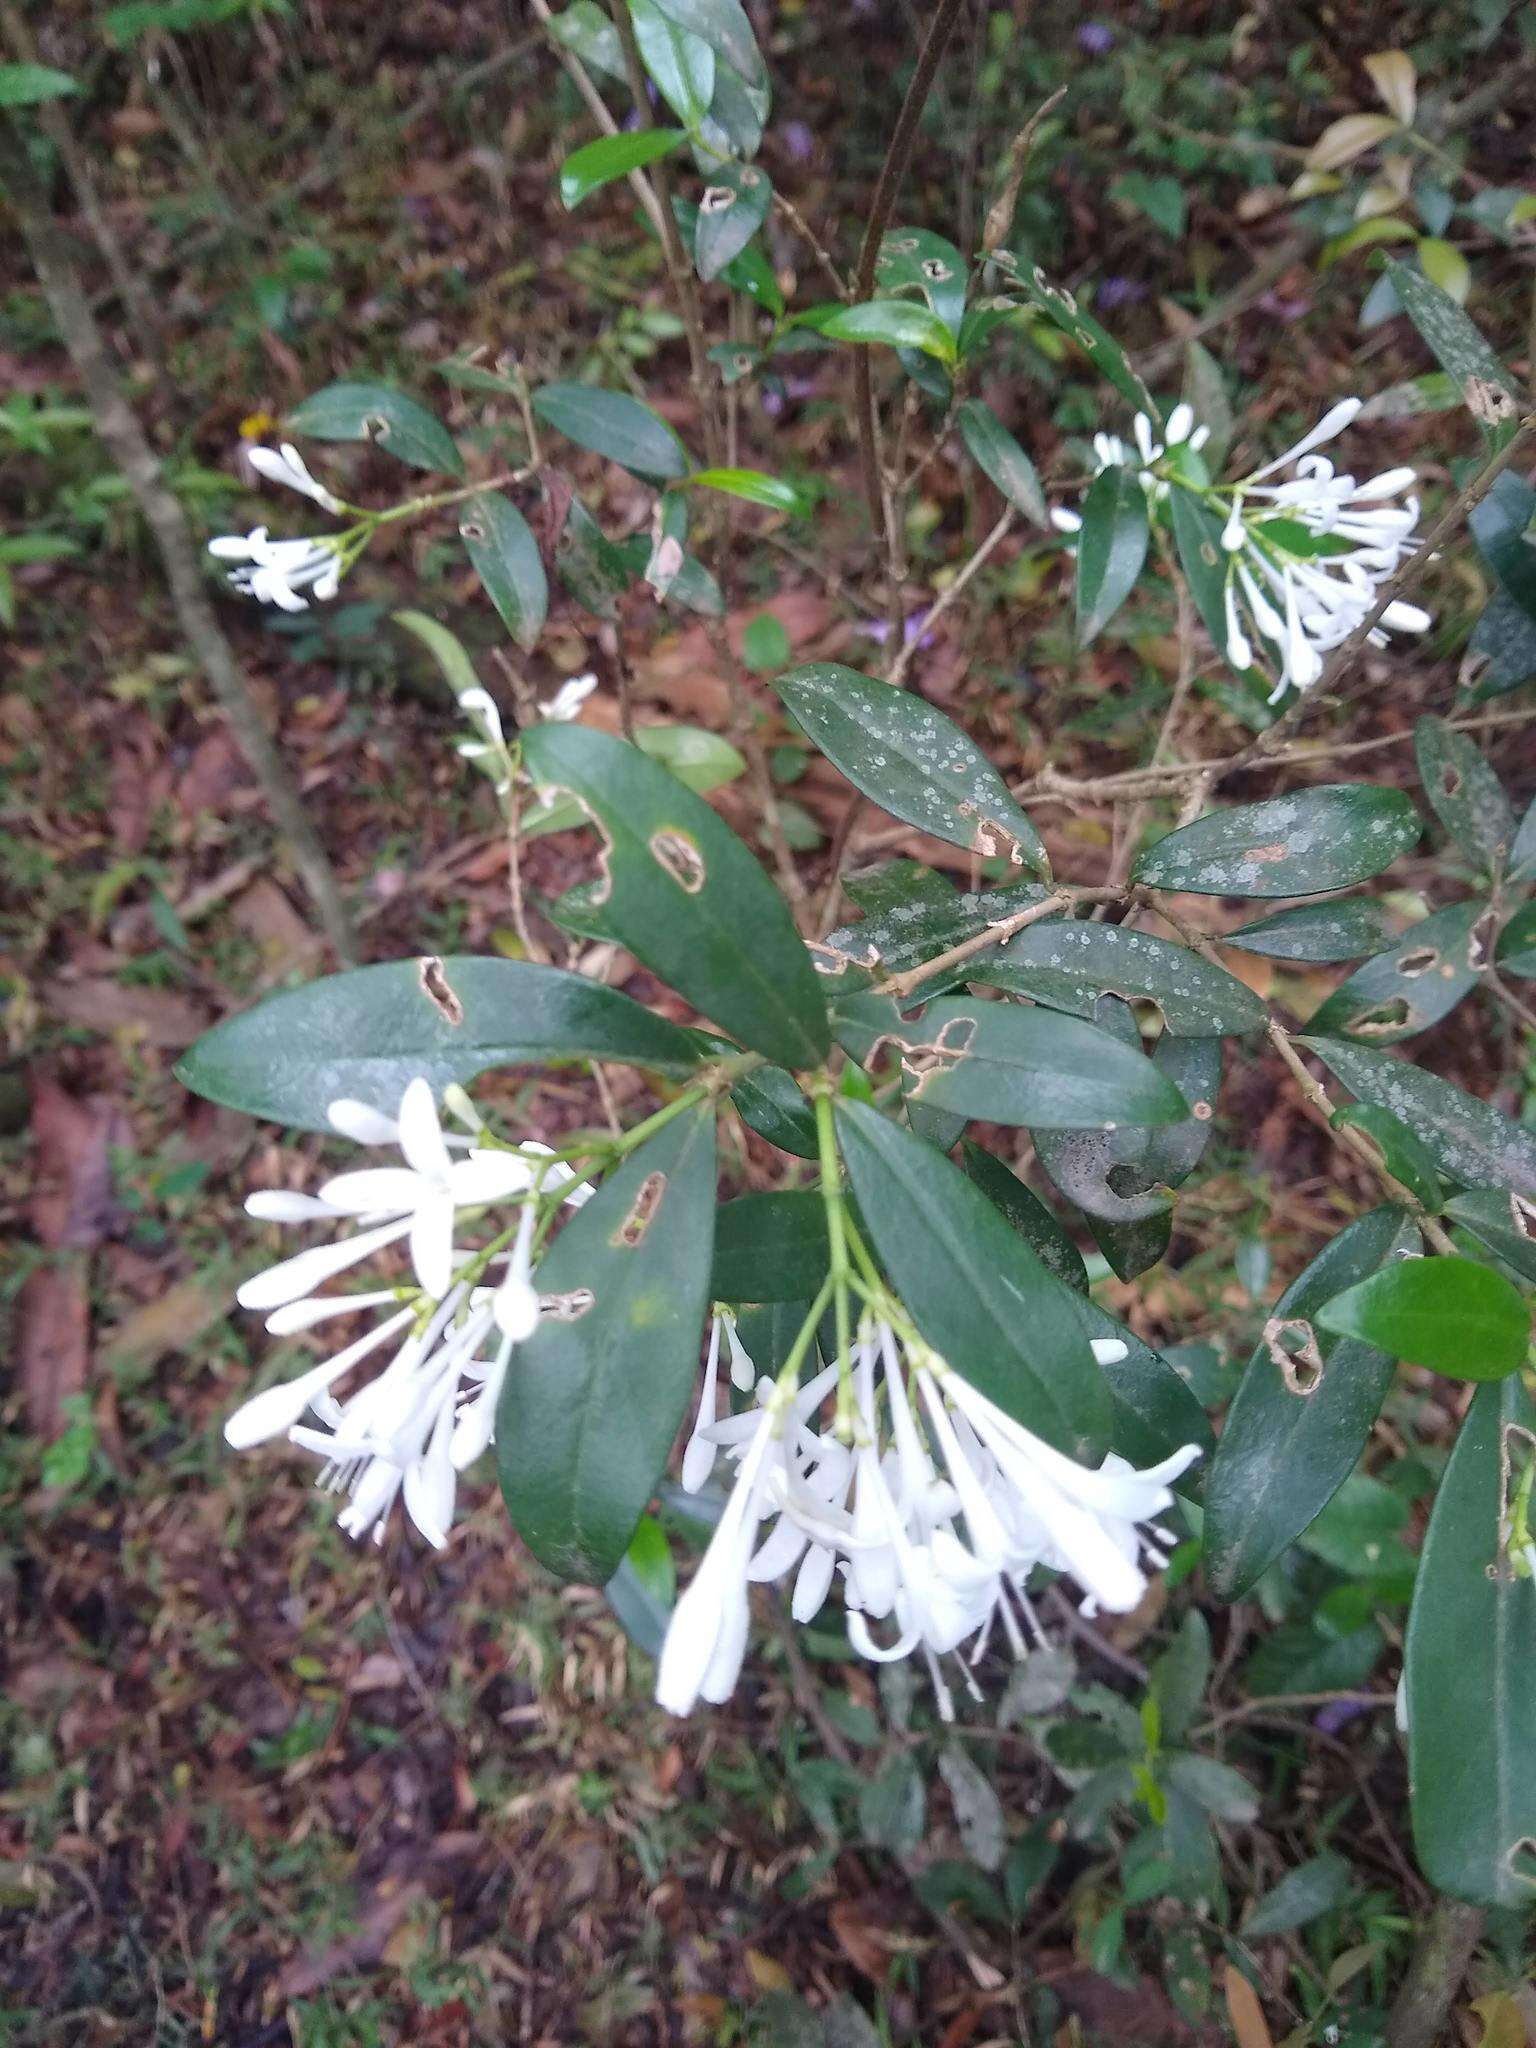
{"x": 1446, "y": 267}
{"x": 1343, "y": 140}
{"x": 1392, "y": 74}
{"x": 1245, "y": 2012}
{"x": 1503, "y": 2021}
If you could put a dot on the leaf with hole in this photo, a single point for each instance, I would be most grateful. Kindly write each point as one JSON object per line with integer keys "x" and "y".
{"x": 364, "y": 1034}
{"x": 1302, "y": 1414}
{"x": 686, "y": 896}
{"x": 613, "y": 424}
{"x": 734, "y": 206}
{"x": 998, "y": 455}
{"x": 1470, "y": 1141}
{"x": 1471, "y": 1703}
{"x": 1316, "y": 932}
{"x": 595, "y": 1397}
{"x": 1452, "y": 1315}
{"x": 976, "y": 1291}
{"x": 1068, "y": 964}
{"x": 1418, "y": 981}
{"x": 1101, "y": 349}
{"x": 911, "y": 760}
{"x": 593, "y": 569}
{"x": 1488, "y": 391}
{"x": 500, "y": 544}
{"x": 750, "y": 272}
{"x": 1111, "y": 548}
{"x": 1506, "y": 1223}
{"x": 371, "y": 412}
{"x": 916, "y": 259}
{"x": 595, "y": 164}
{"x": 1298, "y": 845}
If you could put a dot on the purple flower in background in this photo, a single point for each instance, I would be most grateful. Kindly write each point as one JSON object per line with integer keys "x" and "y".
{"x": 879, "y": 630}
{"x": 1096, "y": 37}
{"x": 798, "y": 140}
{"x": 1119, "y": 291}
{"x": 1336, "y": 1715}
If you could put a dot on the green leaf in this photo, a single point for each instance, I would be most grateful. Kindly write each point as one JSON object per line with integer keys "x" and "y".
{"x": 681, "y": 65}
{"x": 28, "y": 85}
{"x": 1305, "y": 1893}
{"x": 998, "y": 455}
{"x": 892, "y": 1808}
{"x": 365, "y": 1034}
{"x": 1340, "y": 930}
{"x": 1420, "y": 980}
{"x": 975, "y": 1290}
{"x": 1452, "y": 1315}
{"x": 893, "y": 323}
{"x": 1205, "y": 562}
{"x": 1161, "y": 199}
{"x": 1303, "y": 1657}
{"x": 1466, "y": 795}
{"x": 737, "y": 115}
{"x": 771, "y": 1247}
{"x": 734, "y": 206}
{"x": 1302, "y": 1414}
{"x": 1106, "y": 354}
{"x": 1471, "y": 1703}
{"x": 1470, "y": 1141}
{"x": 1070, "y": 963}
{"x": 1504, "y": 642}
{"x": 770, "y": 1101}
{"x": 916, "y": 259}
{"x": 1360, "y": 1531}
{"x": 1488, "y": 391}
{"x": 598, "y": 163}
{"x": 911, "y": 760}
{"x": 687, "y": 898}
{"x": 500, "y": 544}
{"x": 1180, "y": 1676}
{"x": 764, "y": 644}
{"x": 978, "y": 1811}
{"x": 446, "y": 648}
{"x": 1221, "y": 1791}
{"x": 1029, "y": 1216}
{"x": 1205, "y": 389}
{"x": 917, "y": 915}
{"x": 1517, "y": 943}
{"x": 1015, "y": 1065}
{"x": 750, "y": 272}
{"x": 753, "y": 485}
{"x": 723, "y": 24}
{"x": 591, "y": 567}
{"x": 588, "y": 32}
{"x": 643, "y": 1589}
{"x": 591, "y": 1407}
{"x": 1111, "y": 549}
{"x": 1522, "y": 855}
{"x": 1506, "y": 1223}
{"x": 1405, "y": 1157}
{"x": 700, "y": 760}
{"x": 613, "y": 424}
{"x": 1297, "y": 845}
{"x": 370, "y": 412}
{"x": 1500, "y": 525}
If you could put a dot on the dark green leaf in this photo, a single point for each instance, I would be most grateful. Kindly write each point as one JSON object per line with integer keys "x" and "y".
{"x": 1205, "y": 389}
{"x": 687, "y": 897}
{"x": 912, "y": 761}
{"x": 770, "y": 1247}
{"x": 1180, "y": 1676}
{"x": 370, "y": 412}
{"x": 1487, "y": 389}
{"x": 1340, "y": 930}
{"x": 1517, "y": 944}
{"x": 1504, "y": 640}
{"x": 1466, "y": 795}
{"x": 974, "y": 1288}
{"x": 1311, "y": 1889}
{"x": 590, "y": 566}
{"x": 1522, "y": 855}
{"x": 1506, "y": 1223}
{"x": 589, "y": 1413}
{"x": 1450, "y": 1314}
{"x": 681, "y": 66}
{"x": 771, "y": 1102}
{"x": 27, "y": 85}
{"x": 924, "y": 916}
{"x": 734, "y": 206}
{"x": 500, "y": 543}
{"x": 363, "y": 1035}
{"x": 723, "y": 24}
{"x": 1216, "y": 1787}
{"x": 587, "y": 30}
{"x": 1205, "y": 562}
{"x": 1069, "y": 964}
{"x": 1014, "y": 1065}
{"x": 1402, "y": 1152}
{"x": 1106, "y": 354}
{"x": 750, "y": 272}
{"x": 735, "y": 121}
{"x": 642, "y": 1590}
{"x": 1111, "y": 549}
{"x": 999, "y": 456}
{"x": 1299, "y": 1657}
{"x": 613, "y": 424}
{"x": 1499, "y": 526}
{"x": 892, "y": 1808}
{"x": 1028, "y": 1214}
{"x": 1470, "y": 1141}
{"x": 1420, "y": 980}
{"x": 978, "y": 1811}
{"x": 916, "y": 259}
{"x": 700, "y": 760}
{"x": 1302, "y": 1414}
{"x": 1298, "y": 845}
{"x": 1471, "y": 1703}
{"x": 598, "y": 163}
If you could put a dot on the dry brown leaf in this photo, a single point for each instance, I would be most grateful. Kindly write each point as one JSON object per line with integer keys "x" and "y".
{"x": 55, "y": 1342}
{"x": 157, "y": 1014}
{"x": 1245, "y": 2012}
{"x": 271, "y": 920}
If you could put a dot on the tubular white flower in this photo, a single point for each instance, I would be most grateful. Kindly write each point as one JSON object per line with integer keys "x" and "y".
{"x": 701, "y": 1450}
{"x": 569, "y": 698}
{"x": 277, "y": 571}
{"x": 285, "y": 465}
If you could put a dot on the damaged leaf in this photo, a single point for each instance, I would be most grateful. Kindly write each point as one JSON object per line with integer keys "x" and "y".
{"x": 1069, "y": 964}
{"x": 1420, "y": 980}
{"x": 1469, "y": 1141}
{"x": 1298, "y": 845}
{"x": 1464, "y": 793}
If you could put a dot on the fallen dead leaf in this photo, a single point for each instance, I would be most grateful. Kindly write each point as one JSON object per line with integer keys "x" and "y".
{"x": 157, "y": 1014}
{"x": 71, "y": 1170}
{"x": 1245, "y": 2012}
{"x": 55, "y": 1342}
{"x": 271, "y": 920}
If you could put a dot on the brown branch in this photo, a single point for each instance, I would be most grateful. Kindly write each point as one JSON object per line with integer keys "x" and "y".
{"x": 124, "y": 437}
{"x": 1435, "y": 1975}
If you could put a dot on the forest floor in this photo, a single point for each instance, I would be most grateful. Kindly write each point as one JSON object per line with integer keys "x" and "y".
{"x": 264, "y": 1787}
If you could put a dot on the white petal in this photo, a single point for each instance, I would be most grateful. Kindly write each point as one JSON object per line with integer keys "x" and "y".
{"x": 303, "y": 1315}
{"x": 376, "y": 1190}
{"x": 517, "y": 1309}
{"x": 308, "y": 1271}
{"x": 1406, "y": 618}
{"x": 1334, "y": 421}
{"x": 421, "y": 1135}
{"x": 431, "y": 1483}
{"x": 360, "y": 1120}
{"x": 277, "y": 1408}
{"x": 280, "y": 1205}
{"x": 1108, "y": 1350}
{"x": 432, "y": 1244}
{"x": 1180, "y": 421}
{"x": 813, "y": 1582}
{"x": 488, "y": 1176}
{"x": 1065, "y": 521}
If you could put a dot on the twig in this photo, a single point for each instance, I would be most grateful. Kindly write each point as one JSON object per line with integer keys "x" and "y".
{"x": 1128, "y": 833}
{"x": 124, "y": 436}
{"x": 1506, "y": 995}
{"x": 1088, "y": 1635}
{"x": 1435, "y": 1974}
{"x": 999, "y": 221}
{"x": 802, "y": 227}
{"x": 945, "y": 15}
{"x": 995, "y": 935}
{"x": 941, "y": 604}
{"x": 831, "y": 902}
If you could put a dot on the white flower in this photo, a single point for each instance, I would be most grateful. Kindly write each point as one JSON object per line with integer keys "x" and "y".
{"x": 569, "y": 698}
{"x": 285, "y": 465}
{"x": 488, "y": 752}
{"x": 276, "y": 571}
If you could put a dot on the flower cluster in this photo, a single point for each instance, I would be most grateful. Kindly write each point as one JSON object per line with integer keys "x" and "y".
{"x": 280, "y": 571}
{"x": 1306, "y": 553}
{"x": 931, "y": 1503}
{"x": 411, "y": 1428}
